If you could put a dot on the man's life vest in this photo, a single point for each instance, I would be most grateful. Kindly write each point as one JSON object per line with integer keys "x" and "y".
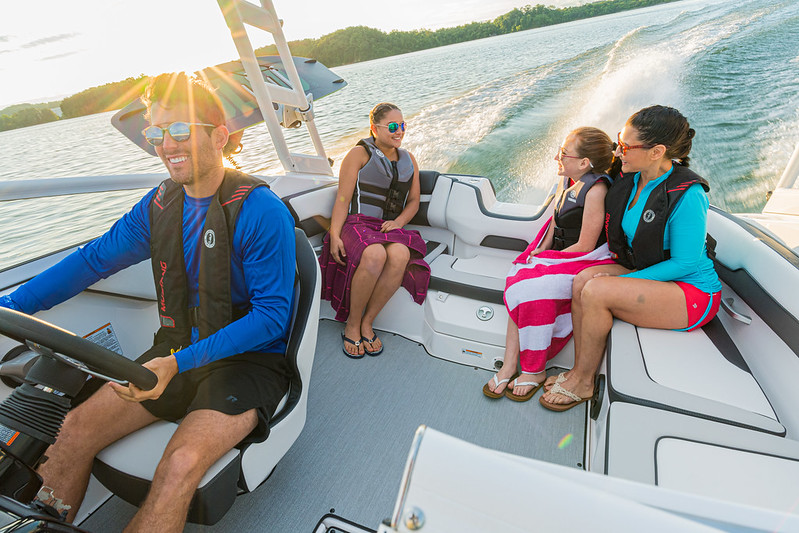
{"x": 216, "y": 245}
{"x": 568, "y": 217}
{"x": 647, "y": 244}
{"x": 383, "y": 184}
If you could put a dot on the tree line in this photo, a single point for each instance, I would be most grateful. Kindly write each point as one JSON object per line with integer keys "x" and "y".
{"x": 350, "y": 45}
{"x": 361, "y": 43}
{"x": 106, "y": 97}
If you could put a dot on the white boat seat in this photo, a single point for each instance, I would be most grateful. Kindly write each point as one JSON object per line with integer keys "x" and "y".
{"x": 704, "y": 457}
{"x": 700, "y": 373}
{"x": 480, "y": 278}
{"x": 311, "y": 208}
{"x": 126, "y": 467}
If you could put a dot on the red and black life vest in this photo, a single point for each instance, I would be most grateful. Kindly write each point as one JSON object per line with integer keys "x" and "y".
{"x": 215, "y": 310}
{"x": 647, "y": 243}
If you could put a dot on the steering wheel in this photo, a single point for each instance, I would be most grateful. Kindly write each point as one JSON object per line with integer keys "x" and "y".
{"x": 22, "y": 327}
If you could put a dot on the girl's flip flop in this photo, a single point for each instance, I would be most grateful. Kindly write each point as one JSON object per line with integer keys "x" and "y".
{"x": 370, "y": 341}
{"x": 344, "y": 349}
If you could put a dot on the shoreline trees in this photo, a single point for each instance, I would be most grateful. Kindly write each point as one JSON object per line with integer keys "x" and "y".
{"x": 349, "y": 45}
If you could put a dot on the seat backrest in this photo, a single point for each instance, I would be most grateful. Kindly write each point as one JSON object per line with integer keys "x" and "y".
{"x": 427, "y": 182}
{"x": 304, "y": 291}
{"x": 312, "y": 208}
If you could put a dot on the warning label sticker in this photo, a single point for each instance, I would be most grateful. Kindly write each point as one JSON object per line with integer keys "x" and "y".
{"x": 8, "y": 435}
{"x": 105, "y": 337}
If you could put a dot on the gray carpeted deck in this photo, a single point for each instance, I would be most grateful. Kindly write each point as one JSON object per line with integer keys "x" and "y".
{"x": 362, "y": 415}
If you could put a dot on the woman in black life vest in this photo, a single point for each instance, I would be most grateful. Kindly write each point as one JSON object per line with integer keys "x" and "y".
{"x": 656, "y": 225}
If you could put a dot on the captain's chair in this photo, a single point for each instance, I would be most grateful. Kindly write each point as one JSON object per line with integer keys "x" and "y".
{"x": 127, "y": 467}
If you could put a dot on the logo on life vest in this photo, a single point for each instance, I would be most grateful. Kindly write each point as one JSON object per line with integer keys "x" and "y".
{"x": 209, "y": 238}
{"x": 162, "y": 302}
{"x": 572, "y": 196}
{"x": 649, "y": 215}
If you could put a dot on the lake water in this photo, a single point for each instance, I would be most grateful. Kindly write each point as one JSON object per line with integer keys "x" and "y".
{"x": 497, "y": 107}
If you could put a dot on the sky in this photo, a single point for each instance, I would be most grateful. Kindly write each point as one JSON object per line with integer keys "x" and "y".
{"x": 50, "y": 49}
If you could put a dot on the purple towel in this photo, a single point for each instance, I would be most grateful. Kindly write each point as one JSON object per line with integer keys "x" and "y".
{"x": 358, "y": 232}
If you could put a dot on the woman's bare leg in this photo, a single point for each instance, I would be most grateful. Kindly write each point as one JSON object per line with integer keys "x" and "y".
{"x": 511, "y": 359}
{"x": 577, "y": 311}
{"x": 644, "y": 303}
{"x": 397, "y": 257}
{"x": 363, "y": 283}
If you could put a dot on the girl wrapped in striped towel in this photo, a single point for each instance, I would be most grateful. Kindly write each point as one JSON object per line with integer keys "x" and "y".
{"x": 539, "y": 285}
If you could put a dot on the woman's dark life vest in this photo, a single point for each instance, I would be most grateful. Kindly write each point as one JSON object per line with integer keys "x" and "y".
{"x": 647, "y": 244}
{"x": 568, "y": 217}
{"x": 216, "y": 244}
{"x": 383, "y": 184}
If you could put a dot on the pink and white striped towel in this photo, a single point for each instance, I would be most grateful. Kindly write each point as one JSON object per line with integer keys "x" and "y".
{"x": 538, "y": 297}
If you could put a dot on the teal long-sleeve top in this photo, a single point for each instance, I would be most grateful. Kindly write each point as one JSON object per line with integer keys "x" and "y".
{"x": 685, "y": 234}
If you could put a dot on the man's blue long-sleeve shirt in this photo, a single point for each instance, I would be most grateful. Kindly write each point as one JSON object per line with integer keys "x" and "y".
{"x": 262, "y": 273}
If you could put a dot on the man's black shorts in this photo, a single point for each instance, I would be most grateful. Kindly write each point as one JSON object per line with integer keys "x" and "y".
{"x": 232, "y": 385}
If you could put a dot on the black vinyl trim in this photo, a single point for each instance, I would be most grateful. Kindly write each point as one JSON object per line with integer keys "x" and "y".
{"x": 321, "y": 523}
{"x": 607, "y": 421}
{"x": 432, "y": 245}
{"x": 121, "y": 295}
{"x": 483, "y": 294}
{"x": 208, "y": 506}
{"x": 726, "y": 447}
{"x": 427, "y": 181}
{"x": 420, "y": 218}
{"x": 311, "y": 226}
{"x": 721, "y": 340}
{"x": 504, "y": 243}
{"x": 306, "y": 270}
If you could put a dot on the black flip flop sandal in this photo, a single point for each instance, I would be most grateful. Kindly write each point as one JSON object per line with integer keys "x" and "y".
{"x": 356, "y": 344}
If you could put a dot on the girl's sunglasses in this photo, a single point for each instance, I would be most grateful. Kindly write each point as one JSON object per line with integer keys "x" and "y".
{"x": 179, "y": 131}
{"x": 393, "y": 126}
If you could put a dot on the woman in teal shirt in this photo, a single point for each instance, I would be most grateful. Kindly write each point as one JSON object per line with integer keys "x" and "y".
{"x": 656, "y": 224}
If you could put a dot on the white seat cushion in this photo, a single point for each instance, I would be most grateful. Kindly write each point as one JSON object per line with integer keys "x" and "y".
{"x": 139, "y": 453}
{"x": 685, "y": 372}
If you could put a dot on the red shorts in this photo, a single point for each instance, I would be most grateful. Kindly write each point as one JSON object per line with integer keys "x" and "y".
{"x": 701, "y": 306}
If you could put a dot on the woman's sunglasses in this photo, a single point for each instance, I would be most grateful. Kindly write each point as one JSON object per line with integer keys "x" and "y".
{"x": 180, "y": 131}
{"x": 625, "y": 147}
{"x": 393, "y": 126}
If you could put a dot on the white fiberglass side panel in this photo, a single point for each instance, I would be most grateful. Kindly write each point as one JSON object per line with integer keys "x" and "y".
{"x": 718, "y": 471}
{"x": 737, "y": 248}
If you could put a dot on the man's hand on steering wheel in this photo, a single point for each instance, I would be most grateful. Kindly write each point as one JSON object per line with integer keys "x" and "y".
{"x": 164, "y": 368}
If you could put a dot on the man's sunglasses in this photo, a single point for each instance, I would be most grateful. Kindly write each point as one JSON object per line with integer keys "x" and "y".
{"x": 180, "y": 131}
{"x": 393, "y": 126}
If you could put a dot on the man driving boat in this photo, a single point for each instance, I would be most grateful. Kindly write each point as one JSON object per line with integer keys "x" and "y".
{"x": 222, "y": 251}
